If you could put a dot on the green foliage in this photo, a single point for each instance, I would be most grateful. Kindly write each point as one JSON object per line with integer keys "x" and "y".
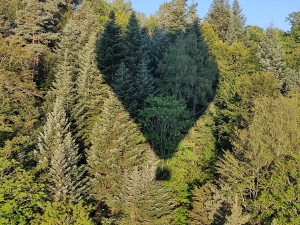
{"x": 270, "y": 55}
{"x": 59, "y": 213}
{"x": 187, "y": 73}
{"x": 20, "y": 195}
{"x": 17, "y": 90}
{"x": 109, "y": 49}
{"x": 90, "y": 92}
{"x": 141, "y": 199}
{"x": 58, "y": 158}
{"x": 272, "y": 135}
{"x": 218, "y": 17}
{"x": 164, "y": 121}
{"x": 117, "y": 146}
{"x": 132, "y": 42}
{"x": 236, "y": 25}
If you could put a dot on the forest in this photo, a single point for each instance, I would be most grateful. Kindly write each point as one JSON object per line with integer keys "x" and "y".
{"x": 112, "y": 117}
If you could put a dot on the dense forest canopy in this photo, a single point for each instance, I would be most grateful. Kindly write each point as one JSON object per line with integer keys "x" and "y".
{"x": 111, "y": 117}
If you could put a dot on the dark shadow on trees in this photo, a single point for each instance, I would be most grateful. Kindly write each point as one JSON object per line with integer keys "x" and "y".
{"x": 166, "y": 88}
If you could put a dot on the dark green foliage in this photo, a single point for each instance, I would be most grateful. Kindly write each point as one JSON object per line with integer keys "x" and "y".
{"x": 164, "y": 121}
{"x": 109, "y": 49}
{"x": 187, "y": 73}
{"x": 124, "y": 87}
{"x": 132, "y": 42}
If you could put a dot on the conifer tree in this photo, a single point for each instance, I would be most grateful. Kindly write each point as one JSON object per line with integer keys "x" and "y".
{"x": 144, "y": 84}
{"x": 237, "y": 217}
{"x": 141, "y": 199}
{"x": 58, "y": 158}
{"x": 272, "y": 136}
{"x": 117, "y": 146}
{"x": 109, "y": 49}
{"x": 90, "y": 91}
{"x": 124, "y": 87}
{"x": 177, "y": 18}
{"x": 236, "y": 25}
{"x": 37, "y": 24}
{"x": 270, "y": 55}
{"x": 132, "y": 42}
{"x": 218, "y": 17}
{"x": 187, "y": 73}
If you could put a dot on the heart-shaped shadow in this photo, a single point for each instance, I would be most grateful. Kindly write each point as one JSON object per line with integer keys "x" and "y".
{"x": 165, "y": 81}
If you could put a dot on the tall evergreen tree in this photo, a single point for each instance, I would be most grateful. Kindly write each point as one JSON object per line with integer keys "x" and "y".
{"x": 236, "y": 25}
{"x": 117, "y": 146}
{"x": 218, "y": 17}
{"x": 90, "y": 92}
{"x": 124, "y": 87}
{"x": 270, "y": 55}
{"x": 109, "y": 49}
{"x": 187, "y": 73}
{"x": 132, "y": 42}
{"x": 58, "y": 158}
{"x": 141, "y": 199}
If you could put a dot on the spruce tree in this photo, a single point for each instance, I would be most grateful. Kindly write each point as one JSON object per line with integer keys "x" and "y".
{"x": 117, "y": 146}
{"x": 124, "y": 87}
{"x": 218, "y": 17}
{"x": 109, "y": 49}
{"x": 237, "y": 217}
{"x": 236, "y": 25}
{"x": 132, "y": 42}
{"x": 270, "y": 55}
{"x": 141, "y": 199}
{"x": 187, "y": 73}
{"x": 144, "y": 84}
{"x": 90, "y": 92}
{"x": 58, "y": 158}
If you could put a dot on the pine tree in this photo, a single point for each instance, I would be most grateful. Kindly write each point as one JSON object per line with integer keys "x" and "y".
{"x": 236, "y": 25}
{"x": 218, "y": 17}
{"x": 117, "y": 146}
{"x": 272, "y": 136}
{"x": 109, "y": 49}
{"x": 37, "y": 24}
{"x": 270, "y": 55}
{"x": 58, "y": 158}
{"x": 141, "y": 199}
